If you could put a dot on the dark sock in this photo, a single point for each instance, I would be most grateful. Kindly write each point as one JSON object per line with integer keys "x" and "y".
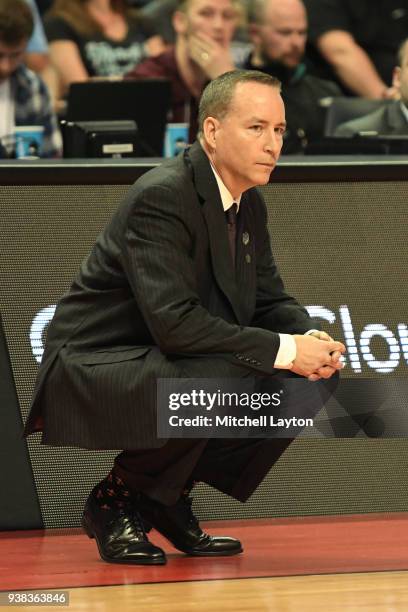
{"x": 112, "y": 493}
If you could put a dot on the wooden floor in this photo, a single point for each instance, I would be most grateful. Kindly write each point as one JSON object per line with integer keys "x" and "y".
{"x": 376, "y": 592}
{"x": 330, "y": 564}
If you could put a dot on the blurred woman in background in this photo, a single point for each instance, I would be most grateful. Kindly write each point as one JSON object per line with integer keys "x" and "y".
{"x": 97, "y": 38}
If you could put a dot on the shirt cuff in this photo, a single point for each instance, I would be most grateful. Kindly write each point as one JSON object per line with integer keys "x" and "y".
{"x": 287, "y": 350}
{"x": 286, "y": 353}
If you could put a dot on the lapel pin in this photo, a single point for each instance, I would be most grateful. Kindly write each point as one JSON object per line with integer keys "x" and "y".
{"x": 245, "y": 238}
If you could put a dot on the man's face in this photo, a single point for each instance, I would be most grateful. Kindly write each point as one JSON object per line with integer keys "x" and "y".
{"x": 400, "y": 80}
{"x": 216, "y": 19}
{"x": 281, "y": 36}
{"x": 246, "y": 143}
{"x": 10, "y": 59}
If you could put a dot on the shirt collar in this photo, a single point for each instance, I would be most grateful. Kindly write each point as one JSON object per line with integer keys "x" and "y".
{"x": 226, "y": 197}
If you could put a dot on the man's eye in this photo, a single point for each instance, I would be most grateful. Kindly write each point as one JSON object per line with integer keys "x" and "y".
{"x": 256, "y": 128}
{"x": 229, "y": 15}
{"x": 280, "y": 130}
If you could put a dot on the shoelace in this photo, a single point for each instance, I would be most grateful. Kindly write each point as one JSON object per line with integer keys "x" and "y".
{"x": 133, "y": 522}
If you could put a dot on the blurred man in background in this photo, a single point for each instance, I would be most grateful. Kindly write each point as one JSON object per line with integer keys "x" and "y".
{"x": 204, "y": 29}
{"x": 278, "y": 29}
{"x": 355, "y": 42}
{"x": 24, "y": 99}
{"x": 392, "y": 118}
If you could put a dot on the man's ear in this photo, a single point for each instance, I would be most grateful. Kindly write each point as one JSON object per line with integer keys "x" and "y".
{"x": 210, "y": 128}
{"x": 179, "y": 21}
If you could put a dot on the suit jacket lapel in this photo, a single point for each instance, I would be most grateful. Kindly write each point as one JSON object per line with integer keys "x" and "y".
{"x": 214, "y": 215}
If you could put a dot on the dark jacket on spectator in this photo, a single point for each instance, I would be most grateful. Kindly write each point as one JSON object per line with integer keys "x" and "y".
{"x": 388, "y": 121}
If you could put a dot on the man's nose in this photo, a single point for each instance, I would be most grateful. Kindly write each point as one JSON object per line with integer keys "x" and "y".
{"x": 218, "y": 22}
{"x": 298, "y": 41}
{"x": 273, "y": 143}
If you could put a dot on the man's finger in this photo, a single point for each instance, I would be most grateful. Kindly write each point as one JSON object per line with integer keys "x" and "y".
{"x": 323, "y": 372}
{"x": 321, "y": 335}
{"x": 326, "y": 371}
{"x": 326, "y": 337}
{"x": 334, "y": 345}
{"x": 336, "y": 356}
{"x": 336, "y": 365}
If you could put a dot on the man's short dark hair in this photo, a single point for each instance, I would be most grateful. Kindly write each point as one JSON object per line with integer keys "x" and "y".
{"x": 216, "y": 97}
{"x": 16, "y": 22}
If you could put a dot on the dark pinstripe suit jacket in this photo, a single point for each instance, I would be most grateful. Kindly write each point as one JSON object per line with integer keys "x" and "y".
{"x": 158, "y": 297}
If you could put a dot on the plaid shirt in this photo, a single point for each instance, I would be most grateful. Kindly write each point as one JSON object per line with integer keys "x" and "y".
{"x": 33, "y": 107}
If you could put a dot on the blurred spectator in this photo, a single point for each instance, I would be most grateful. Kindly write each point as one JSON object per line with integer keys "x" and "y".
{"x": 37, "y": 48}
{"x": 392, "y": 118}
{"x": 355, "y": 41}
{"x": 37, "y": 57}
{"x": 96, "y": 38}
{"x": 278, "y": 29}
{"x": 204, "y": 29}
{"x": 160, "y": 13}
{"x": 24, "y": 99}
{"x": 44, "y": 5}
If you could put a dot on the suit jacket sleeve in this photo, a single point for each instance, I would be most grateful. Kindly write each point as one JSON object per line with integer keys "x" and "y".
{"x": 157, "y": 258}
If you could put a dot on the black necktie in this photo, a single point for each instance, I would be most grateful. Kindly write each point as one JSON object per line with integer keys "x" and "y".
{"x": 232, "y": 229}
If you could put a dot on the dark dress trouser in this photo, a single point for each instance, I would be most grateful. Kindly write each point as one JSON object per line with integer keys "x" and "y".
{"x": 234, "y": 466}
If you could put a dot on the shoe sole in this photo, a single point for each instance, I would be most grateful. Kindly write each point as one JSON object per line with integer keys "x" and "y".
{"x": 91, "y": 535}
{"x": 191, "y": 552}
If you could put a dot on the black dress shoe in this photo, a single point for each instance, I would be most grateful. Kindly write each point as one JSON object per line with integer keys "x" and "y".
{"x": 120, "y": 535}
{"x": 178, "y": 524}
